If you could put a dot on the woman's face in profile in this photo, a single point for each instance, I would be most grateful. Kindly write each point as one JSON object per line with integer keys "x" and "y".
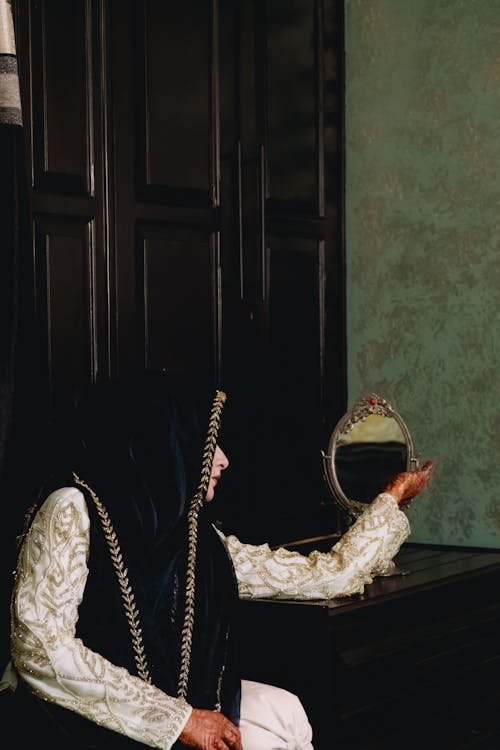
{"x": 219, "y": 464}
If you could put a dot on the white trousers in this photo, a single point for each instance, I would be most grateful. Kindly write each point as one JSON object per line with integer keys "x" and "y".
{"x": 272, "y": 719}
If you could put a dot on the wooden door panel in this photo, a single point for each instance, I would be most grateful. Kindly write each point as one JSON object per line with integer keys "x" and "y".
{"x": 295, "y": 290}
{"x": 294, "y": 102}
{"x": 65, "y": 320}
{"x": 176, "y": 109}
{"x": 295, "y": 374}
{"x": 166, "y": 167}
{"x": 180, "y": 300}
{"x": 65, "y": 295}
{"x": 62, "y": 97}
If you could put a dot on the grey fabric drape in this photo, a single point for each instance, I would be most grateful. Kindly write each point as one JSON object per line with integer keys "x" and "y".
{"x": 10, "y": 101}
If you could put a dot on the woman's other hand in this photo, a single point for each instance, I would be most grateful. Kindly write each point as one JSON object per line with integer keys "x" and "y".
{"x": 210, "y": 730}
{"x": 406, "y": 486}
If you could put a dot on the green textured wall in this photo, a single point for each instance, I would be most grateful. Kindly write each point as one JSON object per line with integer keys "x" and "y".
{"x": 423, "y": 243}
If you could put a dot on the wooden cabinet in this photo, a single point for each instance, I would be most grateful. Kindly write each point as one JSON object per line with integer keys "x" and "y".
{"x": 414, "y": 662}
{"x": 186, "y": 190}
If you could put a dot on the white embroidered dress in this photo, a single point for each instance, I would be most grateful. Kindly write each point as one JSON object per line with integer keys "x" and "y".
{"x": 50, "y": 585}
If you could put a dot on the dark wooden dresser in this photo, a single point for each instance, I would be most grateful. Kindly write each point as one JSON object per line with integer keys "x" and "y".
{"x": 412, "y": 663}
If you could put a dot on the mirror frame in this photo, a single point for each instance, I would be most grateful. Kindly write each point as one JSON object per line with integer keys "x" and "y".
{"x": 364, "y": 407}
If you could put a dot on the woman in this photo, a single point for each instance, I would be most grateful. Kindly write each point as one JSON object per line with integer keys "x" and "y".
{"x": 124, "y": 605}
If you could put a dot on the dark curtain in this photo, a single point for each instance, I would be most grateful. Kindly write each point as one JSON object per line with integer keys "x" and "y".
{"x": 14, "y": 250}
{"x": 12, "y": 220}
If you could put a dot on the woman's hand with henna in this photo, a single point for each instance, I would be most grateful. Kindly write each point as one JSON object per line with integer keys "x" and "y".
{"x": 210, "y": 730}
{"x": 406, "y": 486}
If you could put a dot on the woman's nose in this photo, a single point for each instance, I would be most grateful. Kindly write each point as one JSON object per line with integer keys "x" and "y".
{"x": 222, "y": 459}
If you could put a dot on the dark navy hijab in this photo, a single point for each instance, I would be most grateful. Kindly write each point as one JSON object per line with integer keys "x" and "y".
{"x": 141, "y": 451}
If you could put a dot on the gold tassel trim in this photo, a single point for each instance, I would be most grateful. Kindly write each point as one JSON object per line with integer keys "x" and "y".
{"x": 129, "y": 605}
{"x": 195, "y": 505}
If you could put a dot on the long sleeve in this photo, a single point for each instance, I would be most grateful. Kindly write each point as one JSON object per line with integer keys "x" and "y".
{"x": 367, "y": 547}
{"x": 57, "y": 666}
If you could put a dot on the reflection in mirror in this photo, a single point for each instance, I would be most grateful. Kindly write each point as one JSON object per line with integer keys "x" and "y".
{"x": 367, "y": 456}
{"x": 369, "y": 445}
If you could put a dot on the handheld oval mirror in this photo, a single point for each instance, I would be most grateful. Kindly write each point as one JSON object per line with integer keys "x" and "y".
{"x": 368, "y": 446}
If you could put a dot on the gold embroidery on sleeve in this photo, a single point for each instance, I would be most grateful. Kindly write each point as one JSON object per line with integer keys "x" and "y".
{"x": 55, "y": 548}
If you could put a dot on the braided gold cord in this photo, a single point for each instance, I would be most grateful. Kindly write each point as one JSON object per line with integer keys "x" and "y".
{"x": 195, "y": 505}
{"x": 131, "y": 611}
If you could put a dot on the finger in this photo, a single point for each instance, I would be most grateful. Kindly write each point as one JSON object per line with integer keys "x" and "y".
{"x": 233, "y": 744}
{"x": 427, "y": 466}
{"x": 225, "y": 743}
{"x": 233, "y": 737}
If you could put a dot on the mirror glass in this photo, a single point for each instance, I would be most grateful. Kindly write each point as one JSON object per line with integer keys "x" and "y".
{"x": 368, "y": 446}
